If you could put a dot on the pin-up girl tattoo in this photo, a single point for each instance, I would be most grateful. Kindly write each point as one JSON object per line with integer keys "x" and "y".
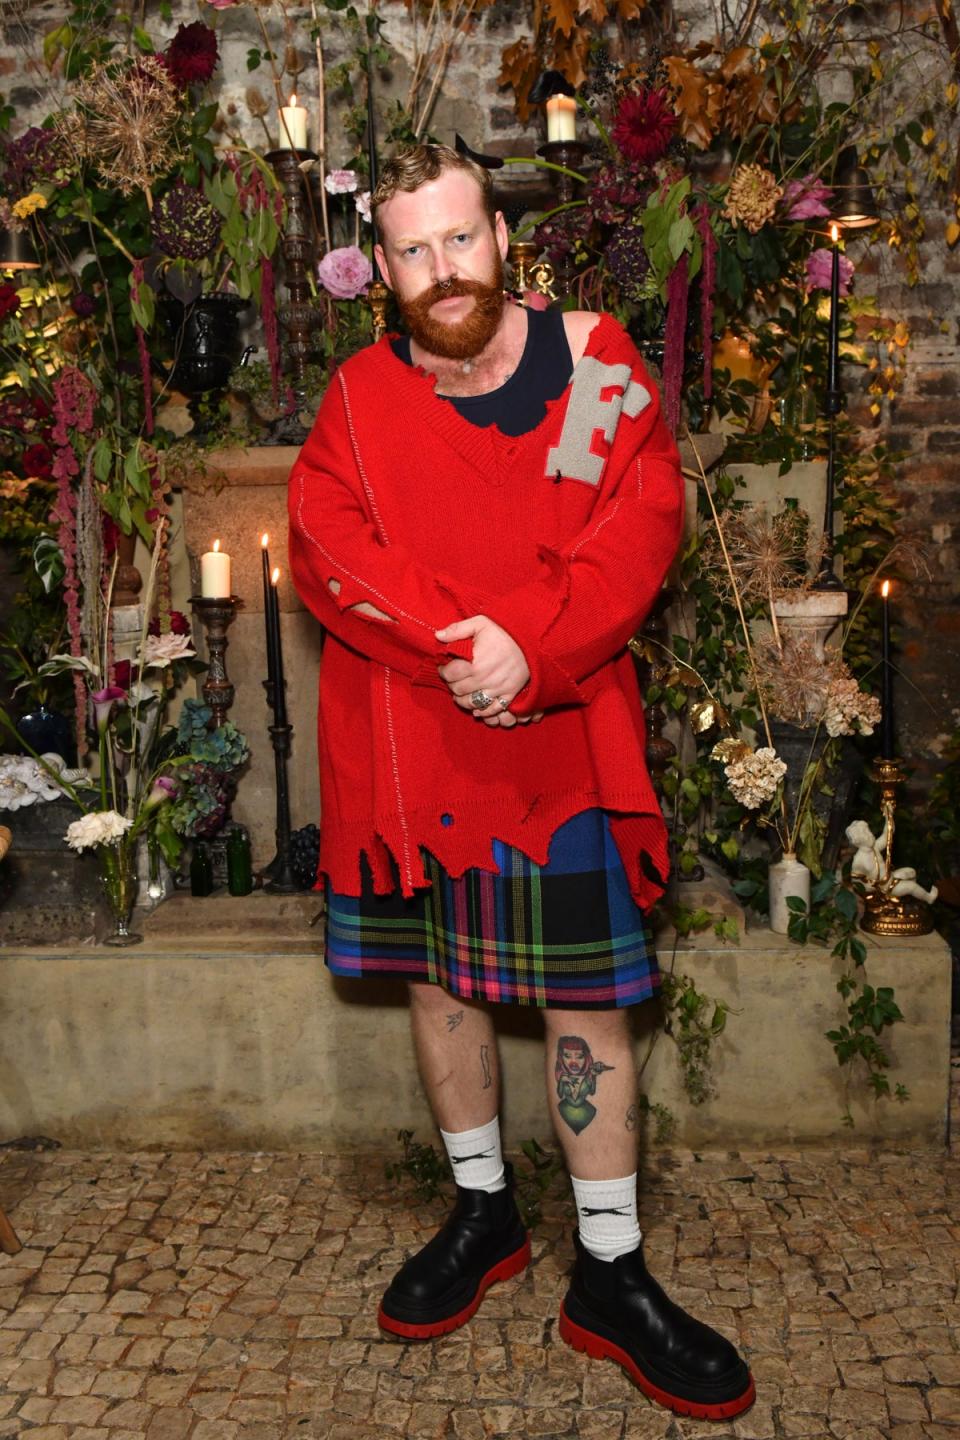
{"x": 576, "y": 1074}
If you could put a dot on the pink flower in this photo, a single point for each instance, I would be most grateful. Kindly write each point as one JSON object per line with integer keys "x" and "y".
{"x": 820, "y": 266}
{"x": 164, "y": 788}
{"x": 341, "y": 182}
{"x": 362, "y": 202}
{"x": 103, "y": 702}
{"x": 806, "y": 199}
{"x": 222, "y": 4}
{"x": 345, "y": 272}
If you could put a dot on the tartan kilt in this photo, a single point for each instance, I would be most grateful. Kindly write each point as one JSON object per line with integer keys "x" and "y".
{"x": 564, "y": 935}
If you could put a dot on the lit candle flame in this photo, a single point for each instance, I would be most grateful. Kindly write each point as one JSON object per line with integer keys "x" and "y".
{"x": 834, "y": 233}
{"x": 885, "y": 589}
{"x": 264, "y": 540}
{"x": 275, "y": 576}
{"x": 293, "y": 101}
{"x": 216, "y": 545}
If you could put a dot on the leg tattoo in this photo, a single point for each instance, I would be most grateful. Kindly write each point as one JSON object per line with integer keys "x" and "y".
{"x": 454, "y": 1019}
{"x": 576, "y": 1074}
{"x": 485, "y": 1063}
{"x": 632, "y": 1119}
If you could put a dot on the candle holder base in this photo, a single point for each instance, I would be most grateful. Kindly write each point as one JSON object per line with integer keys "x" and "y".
{"x": 216, "y": 615}
{"x": 885, "y": 916}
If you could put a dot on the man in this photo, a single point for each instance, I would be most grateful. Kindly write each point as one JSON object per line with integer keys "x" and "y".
{"x": 481, "y": 519}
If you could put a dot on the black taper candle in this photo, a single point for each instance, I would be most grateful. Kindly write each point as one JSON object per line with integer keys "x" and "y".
{"x": 886, "y": 678}
{"x": 279, "y": 685}
{"x": 833, "y": 342}
{"x": 267, "y": 600}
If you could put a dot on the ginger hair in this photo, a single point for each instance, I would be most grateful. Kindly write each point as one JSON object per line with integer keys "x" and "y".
{"x": 417, "y": 165}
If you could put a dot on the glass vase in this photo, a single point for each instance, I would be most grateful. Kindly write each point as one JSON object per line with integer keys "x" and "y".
{"x": 118, "y": 873}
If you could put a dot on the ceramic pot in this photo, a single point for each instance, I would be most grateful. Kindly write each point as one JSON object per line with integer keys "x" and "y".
{"x": 788, "y": 877}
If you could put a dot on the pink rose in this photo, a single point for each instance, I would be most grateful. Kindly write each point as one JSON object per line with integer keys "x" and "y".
{"x": 345, "y": 273}
{"x": 362, "y": 203}
{"x": 806, "y": 199}
{"x": 820, "y": 266}
{"x": 222, "y": 4}
{"x": 341, "y": 182}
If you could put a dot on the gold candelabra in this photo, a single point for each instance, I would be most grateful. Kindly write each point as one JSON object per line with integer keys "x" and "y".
{"x": 886, "y": 913}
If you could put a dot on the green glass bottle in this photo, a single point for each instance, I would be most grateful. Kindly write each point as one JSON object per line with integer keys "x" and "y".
{"x": 239, "y": 864}
{"x": 201, "y": 871}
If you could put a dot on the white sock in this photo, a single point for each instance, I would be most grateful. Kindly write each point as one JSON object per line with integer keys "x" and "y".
{"x": 607, "y": 1215}
{"x": 475, "y": 1157}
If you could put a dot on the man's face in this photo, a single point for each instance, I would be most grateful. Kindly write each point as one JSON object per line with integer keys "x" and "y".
{"x": 444, "y": 261}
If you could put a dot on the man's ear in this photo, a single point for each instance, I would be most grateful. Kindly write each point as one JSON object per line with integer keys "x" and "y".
{"x": 381, "y": 260}
{"x": 502, "y": 234}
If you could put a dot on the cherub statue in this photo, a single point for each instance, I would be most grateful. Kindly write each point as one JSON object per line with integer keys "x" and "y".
{"x": 871, "y": 865}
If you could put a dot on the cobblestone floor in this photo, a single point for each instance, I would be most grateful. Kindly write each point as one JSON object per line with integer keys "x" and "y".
{"x": 233, "y": 1297}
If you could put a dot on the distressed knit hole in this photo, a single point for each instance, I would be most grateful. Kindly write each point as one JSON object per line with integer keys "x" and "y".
{"x": 446, "y": 819}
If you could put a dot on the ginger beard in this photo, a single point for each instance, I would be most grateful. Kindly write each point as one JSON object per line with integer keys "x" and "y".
{"x": 467, "y": 337}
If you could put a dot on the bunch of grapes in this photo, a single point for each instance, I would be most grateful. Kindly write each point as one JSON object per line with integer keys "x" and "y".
{"x": 304, "y": 854}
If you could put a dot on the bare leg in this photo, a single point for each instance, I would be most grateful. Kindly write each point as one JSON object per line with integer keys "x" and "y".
{"x": 593, "y": 1101}
{"x": 457, "y": 1054}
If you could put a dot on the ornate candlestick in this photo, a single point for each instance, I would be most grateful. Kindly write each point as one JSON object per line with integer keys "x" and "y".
{"x": 570, "y": 154}
{"x": 885, "y": 911}
{"x": 377, "y": 298}
{"x": 299, "y": 316}
{"x": 217, "y": 615}
{"x": 278, "y": 875}
{"x": 530, "y": 273}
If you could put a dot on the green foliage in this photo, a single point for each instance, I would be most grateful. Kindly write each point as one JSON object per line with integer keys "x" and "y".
{"x": 664, "y": 1120}
{"x": 426, "y": 1169}
{"x": 693, "y": 1021}
{"x": 533, "y": 1185}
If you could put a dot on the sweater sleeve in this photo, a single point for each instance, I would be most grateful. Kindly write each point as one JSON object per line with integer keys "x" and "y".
{"x": 336, "y": 535}
{"x": 593, "y": 593}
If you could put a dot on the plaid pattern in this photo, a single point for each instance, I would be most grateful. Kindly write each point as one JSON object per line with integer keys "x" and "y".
{"x": 567, "y": 935}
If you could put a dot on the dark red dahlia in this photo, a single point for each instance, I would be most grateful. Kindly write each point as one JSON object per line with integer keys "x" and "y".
{"x": 83, "y": 305}
{"x": 9, "y": 301}
{"x": 645, "y": 125}
{"x": 179, "y": 624}
{"x": 191, "y": 57}
{"x": 37, "y": 460}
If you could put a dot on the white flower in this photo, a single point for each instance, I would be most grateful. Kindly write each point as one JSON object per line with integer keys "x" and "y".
{"x": 754, "y": 778}
{"x": 101, "y": 827}
{"x": 362, "y": 202}
{"x": 14, "y": 795}
{"x": 849, "y": 710}
{"x": 161, "y": 650}
{"x": 341, "y": 182}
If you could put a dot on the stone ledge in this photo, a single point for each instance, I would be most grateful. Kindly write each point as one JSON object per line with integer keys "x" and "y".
{"x": 246, "y": 1041}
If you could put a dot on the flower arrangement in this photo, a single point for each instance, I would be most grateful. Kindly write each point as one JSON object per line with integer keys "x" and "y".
{"x": 144, "y": 768}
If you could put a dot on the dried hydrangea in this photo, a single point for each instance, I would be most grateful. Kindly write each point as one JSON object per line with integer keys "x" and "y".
{"x": 628, "y": 262}
{"x": 753, "y": 779}
{"x": 123, "y": 123}
{"x": 752, "y": 197}
{"x": 100, "y": 827}
{"x": 849, "y": 710}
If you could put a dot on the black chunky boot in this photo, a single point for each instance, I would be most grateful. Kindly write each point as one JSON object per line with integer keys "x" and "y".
{"x": 439, "y": 1288}
{"x": 615, "y": 1310}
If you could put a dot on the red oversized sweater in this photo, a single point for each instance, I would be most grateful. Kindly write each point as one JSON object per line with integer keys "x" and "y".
{"x": 562, "y": 536}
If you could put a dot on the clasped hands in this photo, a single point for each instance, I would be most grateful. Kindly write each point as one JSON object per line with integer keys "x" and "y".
{"x": 497, "y": 667}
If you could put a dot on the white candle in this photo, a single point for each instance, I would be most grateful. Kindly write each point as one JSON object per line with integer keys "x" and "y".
{"x": 561, "y": 118}
{"x": 215, "y": 573}
{"x": 293, "y": 126}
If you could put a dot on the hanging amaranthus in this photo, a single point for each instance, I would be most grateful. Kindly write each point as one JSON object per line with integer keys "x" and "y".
{"x": 708, "y": 276}
{"x": 673, "y": 342}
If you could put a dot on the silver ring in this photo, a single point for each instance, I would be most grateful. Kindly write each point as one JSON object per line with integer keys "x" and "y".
{"x": 480, "y": 700}
{"x": 504, "y": 704}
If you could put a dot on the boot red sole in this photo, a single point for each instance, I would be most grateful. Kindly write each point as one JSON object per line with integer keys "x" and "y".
{"x": 504, "y": 1270}
{"x": 599, "y": 1348}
